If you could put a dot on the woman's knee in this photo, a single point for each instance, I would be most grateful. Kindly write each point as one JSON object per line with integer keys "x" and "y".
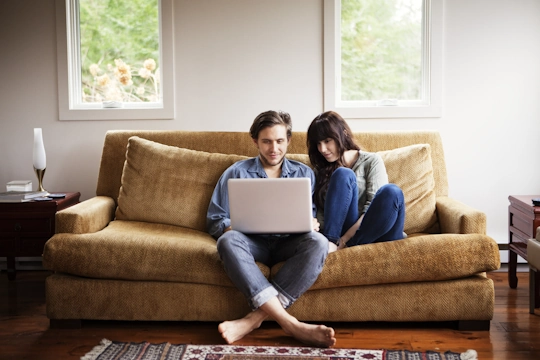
{"x": 343, "y": 174}
{"x": 341, "y": 177}
{"x": 391, "y": 192}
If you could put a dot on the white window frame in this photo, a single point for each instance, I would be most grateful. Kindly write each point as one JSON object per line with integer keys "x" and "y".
{"x": 68, "y": 68}
{"x": 432, "y": 107}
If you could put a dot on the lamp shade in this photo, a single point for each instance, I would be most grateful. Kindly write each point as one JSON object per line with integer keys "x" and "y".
{"x": 40, "y": 159}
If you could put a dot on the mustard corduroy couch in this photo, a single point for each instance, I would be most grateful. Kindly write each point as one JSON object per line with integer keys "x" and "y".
{"x": 138, "y": 250}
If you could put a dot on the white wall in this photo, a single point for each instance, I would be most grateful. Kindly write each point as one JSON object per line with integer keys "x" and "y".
{"x": 236, "y": 58}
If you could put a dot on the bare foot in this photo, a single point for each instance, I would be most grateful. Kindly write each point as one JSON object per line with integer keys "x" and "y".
{"x": 235, "y": 330}
{"x": 332, "y": 247}
{"x": 316, "y": 335}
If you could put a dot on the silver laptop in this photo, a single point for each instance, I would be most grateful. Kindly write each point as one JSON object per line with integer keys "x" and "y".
{"x": 271, "y": 206}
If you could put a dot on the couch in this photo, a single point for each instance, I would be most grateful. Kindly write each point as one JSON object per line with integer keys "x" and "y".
{"x": 138, "y": 250}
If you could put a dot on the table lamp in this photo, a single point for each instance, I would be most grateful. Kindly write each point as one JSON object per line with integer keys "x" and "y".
{"x": 39, "y": 157}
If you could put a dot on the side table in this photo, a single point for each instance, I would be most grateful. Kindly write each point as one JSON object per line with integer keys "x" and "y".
{"x": 523, "y": 220}
{"x": 25, "y": 227}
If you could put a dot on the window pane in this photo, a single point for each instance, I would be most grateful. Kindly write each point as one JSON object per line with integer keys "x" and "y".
{"x": 381, "y": 50}
{"x": 119, "y": 50}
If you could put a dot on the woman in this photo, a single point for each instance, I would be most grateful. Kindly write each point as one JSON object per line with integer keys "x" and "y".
{"x": 356, "y": 204}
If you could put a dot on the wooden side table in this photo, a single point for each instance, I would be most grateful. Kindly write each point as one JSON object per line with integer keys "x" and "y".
{"x": 26, "y": 227}
{"x": 523, "y": 220}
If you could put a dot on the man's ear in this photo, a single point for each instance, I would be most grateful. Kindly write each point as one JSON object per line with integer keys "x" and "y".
{"x": 255, "y": 142}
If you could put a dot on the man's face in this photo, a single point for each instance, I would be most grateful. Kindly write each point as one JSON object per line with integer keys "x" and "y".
{"x": 272, "y": 144}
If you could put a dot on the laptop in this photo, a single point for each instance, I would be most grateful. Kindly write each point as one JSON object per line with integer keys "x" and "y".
{"x": 271, "y": 206}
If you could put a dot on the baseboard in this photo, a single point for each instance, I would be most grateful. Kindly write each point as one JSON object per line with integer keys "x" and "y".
{"x": 23, "y": 263}
{"x": 519, "y": 268}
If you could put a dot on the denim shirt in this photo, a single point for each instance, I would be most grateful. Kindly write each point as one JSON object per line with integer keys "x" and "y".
{"x": 218, "y": 217}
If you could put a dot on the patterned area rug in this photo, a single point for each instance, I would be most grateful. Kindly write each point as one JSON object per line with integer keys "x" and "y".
{"x": 113, "y": 350}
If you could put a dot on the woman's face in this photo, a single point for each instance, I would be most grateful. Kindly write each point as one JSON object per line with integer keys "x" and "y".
{"x": 328, "y": 149}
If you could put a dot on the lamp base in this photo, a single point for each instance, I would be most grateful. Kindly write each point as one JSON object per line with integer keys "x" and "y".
{"x": 39, "y": 174}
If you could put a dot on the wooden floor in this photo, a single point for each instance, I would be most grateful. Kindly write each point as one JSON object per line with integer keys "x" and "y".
{"x": 25, "y": 333}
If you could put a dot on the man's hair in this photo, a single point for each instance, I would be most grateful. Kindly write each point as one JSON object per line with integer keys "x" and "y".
{"x": 268, "y": 119}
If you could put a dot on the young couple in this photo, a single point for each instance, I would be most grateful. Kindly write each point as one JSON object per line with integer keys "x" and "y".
{"x": 355, "y": 205}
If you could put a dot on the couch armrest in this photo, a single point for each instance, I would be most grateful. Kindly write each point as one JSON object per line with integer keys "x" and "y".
{"x": 457, "y": 218}
{"x": 86, "y": 217}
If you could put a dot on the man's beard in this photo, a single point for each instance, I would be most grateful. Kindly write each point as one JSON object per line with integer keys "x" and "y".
{"x": 266, "y": 161}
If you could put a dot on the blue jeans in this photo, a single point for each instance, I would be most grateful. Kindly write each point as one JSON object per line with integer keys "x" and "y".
{"x": 304, "y": 256}
{"x": 383, "y": 220}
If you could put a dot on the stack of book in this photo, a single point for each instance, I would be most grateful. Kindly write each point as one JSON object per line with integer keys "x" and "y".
{"x": 19, "y": 185}
{"x": 20, "y": 196}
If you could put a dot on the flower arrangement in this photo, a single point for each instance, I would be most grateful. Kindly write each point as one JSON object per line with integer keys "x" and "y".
{"x": 118, "y": 83}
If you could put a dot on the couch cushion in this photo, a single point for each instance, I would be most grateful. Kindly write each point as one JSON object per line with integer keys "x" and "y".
{"x": 431, "y": 257}
{"x": 410, "y": 168}
{"x": 169, "y": 185}
{"x": 133, "y": 250}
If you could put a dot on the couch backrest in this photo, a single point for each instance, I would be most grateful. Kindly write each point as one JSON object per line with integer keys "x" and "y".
{"x": 240, "y": 143}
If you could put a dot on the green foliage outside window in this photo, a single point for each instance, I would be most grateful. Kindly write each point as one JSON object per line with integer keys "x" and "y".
{"x": 119, "y": 44}
{"x": 381, "y": 49}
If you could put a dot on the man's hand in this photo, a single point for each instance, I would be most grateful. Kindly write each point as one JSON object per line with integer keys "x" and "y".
{"x": 316, "y": 225}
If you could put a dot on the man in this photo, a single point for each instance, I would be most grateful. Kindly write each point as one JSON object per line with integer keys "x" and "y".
{"x": 304, "y": 254}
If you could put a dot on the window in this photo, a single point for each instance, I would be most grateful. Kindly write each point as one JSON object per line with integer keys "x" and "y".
{"x": 383, "y": 59}
{"x": 115, "y": 59}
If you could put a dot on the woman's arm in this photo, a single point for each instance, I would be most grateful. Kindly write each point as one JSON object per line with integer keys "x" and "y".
{"x": 375, "y": 176}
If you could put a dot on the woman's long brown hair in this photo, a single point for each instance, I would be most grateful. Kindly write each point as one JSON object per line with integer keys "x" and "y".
{"x": 328, "y": 125}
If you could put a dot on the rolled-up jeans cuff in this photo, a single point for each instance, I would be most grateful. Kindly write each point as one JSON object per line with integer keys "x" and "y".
{"x": 263, "y": 297}
{"x": 283, "y": 298}
{"x": 285, "y": 302}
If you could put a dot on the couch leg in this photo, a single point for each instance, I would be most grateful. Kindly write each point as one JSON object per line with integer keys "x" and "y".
{"x": 65, "y": 323}
{"x": 473, "y": 325}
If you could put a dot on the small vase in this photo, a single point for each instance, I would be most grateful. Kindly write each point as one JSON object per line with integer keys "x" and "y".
{"x": 39, "y": 157}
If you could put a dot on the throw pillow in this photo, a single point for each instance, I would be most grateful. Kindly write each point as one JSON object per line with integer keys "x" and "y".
{"x": 169, "y": 185}
{"x": 411, "y": 169}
